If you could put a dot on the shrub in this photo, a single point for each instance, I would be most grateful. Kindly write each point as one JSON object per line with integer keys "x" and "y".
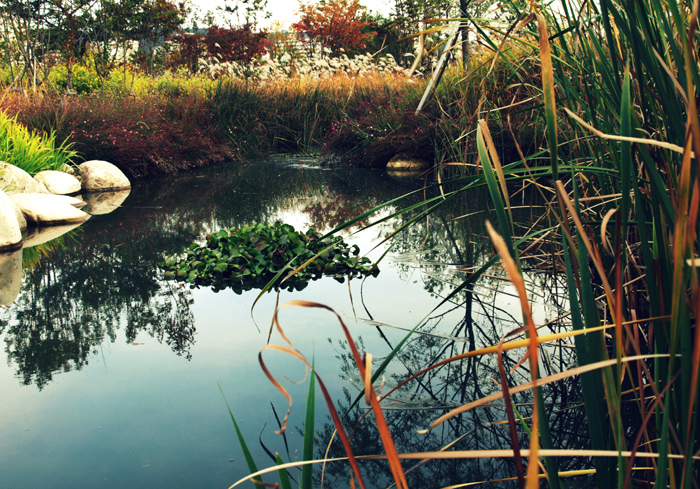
{"x": 82, "y": 78}
{"x": 379, "y": 124}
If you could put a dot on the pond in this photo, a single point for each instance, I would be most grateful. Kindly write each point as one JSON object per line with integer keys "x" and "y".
{"x": 113, "y": 377}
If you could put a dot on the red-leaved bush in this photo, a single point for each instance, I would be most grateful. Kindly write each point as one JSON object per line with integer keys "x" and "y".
{"x": 240, "y": 44}
{"x": 237, "y": 44}
{"x": 142, "y": 136}
{"x": 189, "y": 49}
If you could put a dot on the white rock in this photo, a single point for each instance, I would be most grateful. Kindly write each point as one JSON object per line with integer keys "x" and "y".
{"x": 101, "y": 176}
{"x": 76, "y": 202}
{"x": 409, "y": 164}
{"x": 50, "y": 210}
{"x": 58, "y": 182}
{"x": 10, "y": 233}
{"x": 20, "y": 217}
{"x": 15, "y": 180}
{"x": 11, "y": 273}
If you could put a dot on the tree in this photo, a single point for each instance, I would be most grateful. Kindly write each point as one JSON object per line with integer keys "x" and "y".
{"x": 414, "y": 17}
{"x": 189, "y": 49}
{"x": 241, "y": 44}
{"x": 145, "y": 21}
{"x": 335, "y": 24}
{"x": 386, "y": 36}
{"x": 33, "y": 28}
{"x": 246, "y": 11}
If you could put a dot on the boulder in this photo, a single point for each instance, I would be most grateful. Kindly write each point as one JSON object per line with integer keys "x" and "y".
{"x": 403, "y": 163}
{"x": 105, "y": 202}
{"x": 10, "y": 233}
{"x": 76, "y": 201}
{"x": 101, "y": 176}
{"x": 11, "y": 273}
{"x": 15, "y": 180}
{"x": 21, "y": 220}
{"x": 50, "y": 210}
{"x": 58, "y": 182}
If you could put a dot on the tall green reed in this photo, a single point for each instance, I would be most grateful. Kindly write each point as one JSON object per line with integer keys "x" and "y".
{"x": 625, "y": 75}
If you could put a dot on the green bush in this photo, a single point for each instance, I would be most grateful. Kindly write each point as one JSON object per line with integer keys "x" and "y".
{"x": 81, "y": 78}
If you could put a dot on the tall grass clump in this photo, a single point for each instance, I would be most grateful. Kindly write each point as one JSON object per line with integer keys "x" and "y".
{"x": 487, "y": 88}
{"x": 31, "y": 151}
{"x": 293, "y": 115}
{"x": 613, "y": 88}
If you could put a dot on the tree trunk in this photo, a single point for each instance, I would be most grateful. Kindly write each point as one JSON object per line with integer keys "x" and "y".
{"x": 466, "y": 51}
{"x": 419, "y": 51}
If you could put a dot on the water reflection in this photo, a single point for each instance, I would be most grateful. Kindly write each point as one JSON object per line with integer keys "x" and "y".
{"x": 80, "y": 289}
{"x": 477, "y": 317}
{"x": 75, "y": 300}
{"x": 98, "y": 284}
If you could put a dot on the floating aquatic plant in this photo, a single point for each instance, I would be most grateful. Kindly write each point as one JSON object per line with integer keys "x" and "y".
{"x": 253, "y": 256}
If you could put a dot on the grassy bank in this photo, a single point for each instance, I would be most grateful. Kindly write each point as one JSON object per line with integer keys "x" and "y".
{"x": 159, "y": 126}
{"x": 174, "y": 121}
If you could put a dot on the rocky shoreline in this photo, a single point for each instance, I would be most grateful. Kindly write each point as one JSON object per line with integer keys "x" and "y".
{"x": 34, "y": 210}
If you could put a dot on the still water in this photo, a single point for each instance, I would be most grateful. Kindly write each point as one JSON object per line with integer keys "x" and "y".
{"x": 111, "y": 376}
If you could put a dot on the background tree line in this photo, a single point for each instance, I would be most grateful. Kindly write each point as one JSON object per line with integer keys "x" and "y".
{"x": 37, "y": 35}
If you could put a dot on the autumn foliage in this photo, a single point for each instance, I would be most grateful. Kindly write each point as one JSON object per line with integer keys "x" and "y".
{"x": 237, "y": 44}
{"x": 240, "y": 44}
{"x": 335, "y": 24}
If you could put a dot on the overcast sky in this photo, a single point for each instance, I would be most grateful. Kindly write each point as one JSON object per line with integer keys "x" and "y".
{"x": 285, "y": 10}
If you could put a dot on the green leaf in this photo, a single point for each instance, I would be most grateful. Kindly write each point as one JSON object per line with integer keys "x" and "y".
{"x": 309, "y": 432}
{"x": 285, "y": 483}
{"x": 252, "y": 468}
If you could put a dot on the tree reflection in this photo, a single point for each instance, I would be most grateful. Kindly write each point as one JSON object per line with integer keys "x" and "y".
{"x": 81, "y": 289}
{"x": 77, "y": 299}
{"x": 421, "y": 401}
{"x": 476, "y": 317}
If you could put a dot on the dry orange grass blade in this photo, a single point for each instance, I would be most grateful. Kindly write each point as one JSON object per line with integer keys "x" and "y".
{"x": 511, "y": 345}
{"x": 532, "y": 349}
{"x": 539, "y": 383}
{"x": 548, "y": 88}
{"x": 693, "y": 218}
{"x": 473, "y": 454}
{"x": 512, "y": 427}
{"x": 368, "y": 377}
{"x": 564, "y": 196}
{"x": 612, "y": 137}
{"x": 604, "y": 231}
{"x": 382, "y": 426}
{"x": 326, "y": 395}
